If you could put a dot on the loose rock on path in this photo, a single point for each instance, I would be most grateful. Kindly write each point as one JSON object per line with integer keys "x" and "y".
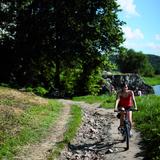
{"x": 98, "y": 138}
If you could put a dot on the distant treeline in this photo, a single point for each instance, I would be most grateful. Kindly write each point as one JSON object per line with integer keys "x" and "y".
{"x": 155, "y": 62}
{"x": 130, "y": 61}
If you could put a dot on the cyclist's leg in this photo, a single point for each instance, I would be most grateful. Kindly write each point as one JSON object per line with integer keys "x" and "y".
{"x": 130, "y": 117}
{"x": 130, "y": 120}
{"x": 121, "y": 117}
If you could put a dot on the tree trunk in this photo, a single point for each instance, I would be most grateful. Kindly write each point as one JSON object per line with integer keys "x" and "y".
{"x": 57, "y": 74}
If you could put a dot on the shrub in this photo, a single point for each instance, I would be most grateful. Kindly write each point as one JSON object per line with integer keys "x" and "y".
{"x": 40, "y": 91}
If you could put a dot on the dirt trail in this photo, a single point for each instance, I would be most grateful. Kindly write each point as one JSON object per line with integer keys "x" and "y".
{"x": 98, "y": 138}
{"x": 41, "y": 150}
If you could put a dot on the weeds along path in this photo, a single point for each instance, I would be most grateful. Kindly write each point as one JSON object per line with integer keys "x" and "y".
{"x": 41, "y": 150}
{"x": 98, "y": 137}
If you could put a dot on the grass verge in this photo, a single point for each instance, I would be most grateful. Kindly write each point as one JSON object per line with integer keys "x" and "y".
{"x": 152, "y": 80}
{"x": 24, "y": 118}
{"x": 147, "y": 121}
{"x": 69, "y": 134}
{"x": 106, "y": 101}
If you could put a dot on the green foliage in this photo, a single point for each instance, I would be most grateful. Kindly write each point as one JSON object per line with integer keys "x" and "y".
{"x": 69, "y": 77}
{"x": 147, "y": 121}
{"x": 40, "y": 51}
{"x": 29, "y": 89}
{"x": 93, "y": 85}
{"x": 130, "y": 61}
{"x": 152, "y": 80}
{"x": 40, "y": 91}
{"x": 109, "y": 101}
{"x": 106, "y": 101}
{"x": 155, "y": 62}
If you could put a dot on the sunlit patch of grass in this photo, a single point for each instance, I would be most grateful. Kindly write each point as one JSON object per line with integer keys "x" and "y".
{"x": 152, "y": 80}
{"x": 147, "y": 121}
{"x": 106, "y": 101}
{"x": 90, "y": 99}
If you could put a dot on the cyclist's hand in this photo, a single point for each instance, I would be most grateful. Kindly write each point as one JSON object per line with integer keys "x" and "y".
{"x": 136, "y": 109}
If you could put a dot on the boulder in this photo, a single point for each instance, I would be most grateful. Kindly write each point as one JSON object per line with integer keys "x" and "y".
{"x": 134, "y": 81}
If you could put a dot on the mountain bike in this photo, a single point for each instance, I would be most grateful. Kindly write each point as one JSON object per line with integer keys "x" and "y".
{"x": 125, "y": 131}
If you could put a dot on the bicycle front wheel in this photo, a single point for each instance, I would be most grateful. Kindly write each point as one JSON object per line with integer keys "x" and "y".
{"x": 127, "y": 130}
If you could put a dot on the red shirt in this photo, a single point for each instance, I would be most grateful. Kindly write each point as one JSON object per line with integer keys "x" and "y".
{"x": 126, "y": 102}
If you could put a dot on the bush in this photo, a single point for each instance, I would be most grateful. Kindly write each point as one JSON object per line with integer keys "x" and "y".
{"x": 40, "y": 91}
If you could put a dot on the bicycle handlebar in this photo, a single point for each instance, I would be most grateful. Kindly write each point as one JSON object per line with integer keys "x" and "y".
{"x": 130, "y": 109}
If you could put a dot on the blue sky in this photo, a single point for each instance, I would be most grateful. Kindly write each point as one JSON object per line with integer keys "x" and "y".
{"x": 142, "y": 29}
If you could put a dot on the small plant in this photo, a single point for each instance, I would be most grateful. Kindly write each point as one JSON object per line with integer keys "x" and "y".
{"x": 29, "y": 89}
{"x": 40, "y": 91}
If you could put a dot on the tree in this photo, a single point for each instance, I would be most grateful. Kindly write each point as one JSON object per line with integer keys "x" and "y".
{"x": 130, "y": 61}
{"x": 7, "y": 37}
{"x": 64, "y": 34}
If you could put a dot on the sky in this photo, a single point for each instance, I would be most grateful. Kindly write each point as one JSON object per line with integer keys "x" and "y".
{"x": 142, "y": 28}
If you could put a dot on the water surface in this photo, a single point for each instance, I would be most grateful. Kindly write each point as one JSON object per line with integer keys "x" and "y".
{"x": 156, "y": 89}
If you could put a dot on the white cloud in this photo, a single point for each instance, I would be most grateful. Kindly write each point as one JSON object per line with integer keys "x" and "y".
{"x": 157, "y": 36}
{"x": 154, "y": 46}
{"x": 132, "y": 34}
{"x": 128, "y": 6}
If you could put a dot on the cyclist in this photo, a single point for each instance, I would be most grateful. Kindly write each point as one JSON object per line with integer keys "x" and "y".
{"x": 125, "y": 100}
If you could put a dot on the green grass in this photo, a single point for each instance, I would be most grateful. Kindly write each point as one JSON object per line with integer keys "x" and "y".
{"x": 90, "y": 99}
{"x": 152, "y": 80}
{"x": 71, "y": 131}
{"x": 23, "y": 121}
{"x": 107, "y": 101}
{"x": 148, "y": 122}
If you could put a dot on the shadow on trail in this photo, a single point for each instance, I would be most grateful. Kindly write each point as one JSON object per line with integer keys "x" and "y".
{"x": 143, "y": 151}
{"x": 97, "y": 147}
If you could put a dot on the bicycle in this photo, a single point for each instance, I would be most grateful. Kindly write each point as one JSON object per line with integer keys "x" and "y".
{"x": 125, "y": 131}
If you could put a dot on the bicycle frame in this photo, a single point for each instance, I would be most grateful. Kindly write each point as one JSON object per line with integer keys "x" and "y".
{"x": 127, "y": 126}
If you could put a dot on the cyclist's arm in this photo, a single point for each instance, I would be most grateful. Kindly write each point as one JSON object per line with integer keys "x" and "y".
{"x": 117, "y": 102}
{"x": 134, "y": 100}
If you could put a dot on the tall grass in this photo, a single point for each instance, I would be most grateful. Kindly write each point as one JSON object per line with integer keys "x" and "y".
{"x": 148, "y": 122}
{"x": 152, "y": 80}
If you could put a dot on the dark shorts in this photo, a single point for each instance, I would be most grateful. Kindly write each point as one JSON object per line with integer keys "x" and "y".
{"x": 125, "y": 107}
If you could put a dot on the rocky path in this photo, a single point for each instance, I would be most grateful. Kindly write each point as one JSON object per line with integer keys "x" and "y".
{"x": 98, "y": 138}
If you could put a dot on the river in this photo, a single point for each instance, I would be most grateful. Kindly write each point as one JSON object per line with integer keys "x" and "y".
{"x": 156, "y": 89}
